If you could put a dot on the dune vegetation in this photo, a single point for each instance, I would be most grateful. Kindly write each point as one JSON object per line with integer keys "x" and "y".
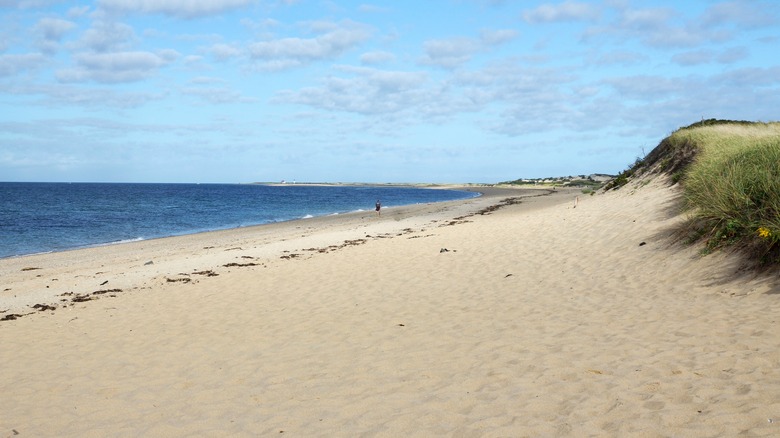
{"x": 730, "y": 176}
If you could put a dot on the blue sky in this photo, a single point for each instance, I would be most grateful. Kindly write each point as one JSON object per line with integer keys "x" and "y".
{"x": 359, "y": 91}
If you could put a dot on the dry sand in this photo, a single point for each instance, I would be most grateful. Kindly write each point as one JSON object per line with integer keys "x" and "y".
{"x": 539, "y": 319}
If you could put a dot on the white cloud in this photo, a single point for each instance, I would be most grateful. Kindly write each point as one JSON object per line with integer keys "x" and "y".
{"x": 377, "y": 57}
{"x": 646, "y": 19}
{"x": 453, "y": 52}
{"x": 450, "y": 53}
{"x": 368, "y": 91}
{"x": 744, "y": 14}
{"x": 50, "y": 31}
{"x": 672, "y": 37}
{"x": 106, "y": 36}
{"x": 262, "y": 28}
{"x": 176, "y": 8}
{"x": 13, "y": 64}
{"x": 495, "y": 37}
{"x": 662, "y": 28}
{"x": 26, "y": 4}
{"x": 694, "y": 57}
{"x": 618, "y": 57}
{"x": 53, "y": 28}
{"x": 666, "y": 102}
{"x": 750, "y": 79}
{"x": 214, "y": 90}
{"x": 292, "y": 52}
{"x": 194, "y": 61}
{"x": 115, "y": 67}
{"x": 523, "y": 99}
{"x": 707, "y": 56}
{"x": 216, "y": 95}
{"x": 168, "y": 55}
{"x": 201, "y": 80}
{"x": 78, "y": 11}
{"x": 373, "y": 9}
{"x": 566, "y": 11}
{"x": 74, "y": 95}
{"x": 650, "y": 87}
{"x": 98, "y": 98}
{"x": 223, "y": 52}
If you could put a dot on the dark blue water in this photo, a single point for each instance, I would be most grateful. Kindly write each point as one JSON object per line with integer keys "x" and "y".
{"x": 44, "y": 217}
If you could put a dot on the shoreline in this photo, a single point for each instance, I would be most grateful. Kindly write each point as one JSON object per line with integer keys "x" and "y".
{"x": 457, "y": 188}
{"x": 37, "y": 279}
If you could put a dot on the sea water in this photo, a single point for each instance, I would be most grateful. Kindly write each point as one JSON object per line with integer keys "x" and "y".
{"x": 46, "y": 217}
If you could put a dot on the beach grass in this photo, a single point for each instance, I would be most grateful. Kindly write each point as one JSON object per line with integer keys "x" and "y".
{"x": 732, "y": 188}
{"x": 730, "y": 177}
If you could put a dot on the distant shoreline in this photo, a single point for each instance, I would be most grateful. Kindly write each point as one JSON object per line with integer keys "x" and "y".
{"x": 364, "y": 184}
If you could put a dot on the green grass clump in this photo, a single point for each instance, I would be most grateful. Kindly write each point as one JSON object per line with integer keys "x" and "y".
{"x": 732, "y": 187}
{"x": 674, "y": 154}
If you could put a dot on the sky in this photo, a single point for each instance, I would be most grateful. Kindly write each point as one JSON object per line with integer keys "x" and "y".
{"x": 439, "y": 91}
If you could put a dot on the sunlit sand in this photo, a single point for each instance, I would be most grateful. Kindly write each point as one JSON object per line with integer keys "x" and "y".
{"x": 482, "y": 317}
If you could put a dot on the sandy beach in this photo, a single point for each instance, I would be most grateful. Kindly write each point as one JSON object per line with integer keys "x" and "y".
{"x": 519, "y": 313}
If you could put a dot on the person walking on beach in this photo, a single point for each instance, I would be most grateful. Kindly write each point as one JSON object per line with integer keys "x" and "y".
{"x": 378, "y": 207}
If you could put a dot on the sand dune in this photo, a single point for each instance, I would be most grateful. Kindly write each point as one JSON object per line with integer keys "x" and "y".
{"x": 534, "y": 319}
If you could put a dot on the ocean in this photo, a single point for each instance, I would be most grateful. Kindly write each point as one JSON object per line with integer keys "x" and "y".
{"x": 47, "y": 217}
